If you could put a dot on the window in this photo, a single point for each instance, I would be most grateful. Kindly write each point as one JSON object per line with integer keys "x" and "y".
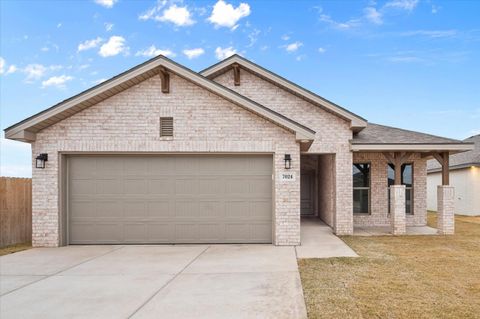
{"x": 407, "y": 180}
{"x": 166, "y": 126}
{"x": 361, "y": 188}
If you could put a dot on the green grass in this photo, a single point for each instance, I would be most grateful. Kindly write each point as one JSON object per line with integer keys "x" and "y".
{"x": 399, "y": 277}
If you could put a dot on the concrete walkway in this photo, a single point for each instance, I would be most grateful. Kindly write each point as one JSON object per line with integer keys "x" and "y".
{"x": 182, "y": 281}
{"x": 318, "y": 241}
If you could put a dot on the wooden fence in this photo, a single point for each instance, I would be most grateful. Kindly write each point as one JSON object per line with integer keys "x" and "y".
{"x": 15, "y": 210}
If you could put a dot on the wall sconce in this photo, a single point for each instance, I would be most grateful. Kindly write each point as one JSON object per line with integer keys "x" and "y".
{"x": 40, "y": 160}
{"x": 288, "y": 161}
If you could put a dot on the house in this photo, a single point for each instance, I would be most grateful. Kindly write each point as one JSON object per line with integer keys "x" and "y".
{"x": 233, "y": 154}
{"x": 464, "y": 176}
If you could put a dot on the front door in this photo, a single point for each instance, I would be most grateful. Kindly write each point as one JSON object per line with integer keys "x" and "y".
{"x": 307, "y": 183}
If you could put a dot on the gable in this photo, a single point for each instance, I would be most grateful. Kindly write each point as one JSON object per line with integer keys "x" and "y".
{"x": 357, "y": 123}
{"x": 27, "y": 129}
{"x": 133, "y": 116}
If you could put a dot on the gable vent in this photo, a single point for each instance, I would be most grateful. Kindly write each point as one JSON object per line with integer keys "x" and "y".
{"x": 166, "y": 126}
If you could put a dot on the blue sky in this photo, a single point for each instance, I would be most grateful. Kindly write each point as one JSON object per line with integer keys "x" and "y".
{"x": 406, "y": 63}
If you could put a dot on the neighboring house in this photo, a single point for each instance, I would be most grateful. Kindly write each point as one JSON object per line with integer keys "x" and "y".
{"x": 233, "y": 154}
{"x": 464, "y": 176}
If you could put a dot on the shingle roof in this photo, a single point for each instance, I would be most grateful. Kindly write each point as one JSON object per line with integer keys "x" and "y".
{"x": 462, "y": 159}
{"x": 381, "y": 134}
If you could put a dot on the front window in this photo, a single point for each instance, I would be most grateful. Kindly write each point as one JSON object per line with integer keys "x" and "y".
{"x": 361, "y": 188}
{"x": 407, "y": 180}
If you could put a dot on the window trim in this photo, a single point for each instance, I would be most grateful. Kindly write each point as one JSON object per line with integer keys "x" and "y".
{"x": 369, "y": 189}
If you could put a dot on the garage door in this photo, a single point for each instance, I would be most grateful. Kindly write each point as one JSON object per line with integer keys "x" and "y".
{"x": 170, "y": 199}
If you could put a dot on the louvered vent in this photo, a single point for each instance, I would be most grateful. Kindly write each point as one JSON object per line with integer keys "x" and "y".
{"x": 166, "y": 126}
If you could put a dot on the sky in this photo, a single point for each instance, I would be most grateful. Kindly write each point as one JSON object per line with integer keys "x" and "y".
{"x": 413, "y": 64}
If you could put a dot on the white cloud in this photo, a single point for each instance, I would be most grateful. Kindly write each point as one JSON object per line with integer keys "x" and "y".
{"x": 223, "y": 53}
{"x": 2, "y": 65}
{"x": 89, "y": 44}
{"x": 373, "y": 15}
{"x": 57, "y": 81}
{"x": 12, "y": 69}
{"x": 180, "y": 16}
{"x": 114, "y": 46}
{"x": 106, "y": 3}
{"x": 253, "y": 37}
{"x": 285, "y": 37}
{"x": 108, "y": 26}
{"x": 193, "y": 53}
{"x": 292, "y": 47}
{"x": 44, "y": 49}
{"x": 34, "y": 71}
{"x": 431, "y": 33}
{"x": 153, "y": 51}
{"x": 322, "y": 50}
{"x": 225, "y": 15}
{"x": 350, "y": 24}
{"x": 407, "y": 5}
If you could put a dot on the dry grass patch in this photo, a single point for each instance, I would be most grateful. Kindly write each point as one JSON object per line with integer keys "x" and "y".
{"x": 14, "y": 248}
{"x": 399, "y": 277}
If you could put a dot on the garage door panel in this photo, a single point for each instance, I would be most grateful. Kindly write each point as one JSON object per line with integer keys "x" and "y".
{"x": 170, "y": 199}
{"x": 161, "y": 186}
{"x": 186, "y": 186}
{"x": 134, "y": 186}
{"x": 109, "y": 186}
{"x": 160, "y": 209}
{"x": 134, "y": 232}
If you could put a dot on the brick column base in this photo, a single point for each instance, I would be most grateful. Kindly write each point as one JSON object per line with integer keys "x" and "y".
{"x": 446, "y": 210}
{"x": 397, "y": 210}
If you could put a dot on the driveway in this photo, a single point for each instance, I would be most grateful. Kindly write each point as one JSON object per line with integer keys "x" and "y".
{"x": 171, "y": 281}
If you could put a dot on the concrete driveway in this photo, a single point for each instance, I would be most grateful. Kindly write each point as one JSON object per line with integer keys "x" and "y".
{"x": 180, "y": 281}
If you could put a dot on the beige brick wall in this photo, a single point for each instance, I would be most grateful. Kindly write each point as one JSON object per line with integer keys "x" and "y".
{"x": 129, "y": 122}
{"x": 379, "y": 193}
{"x": 333, "y": 134}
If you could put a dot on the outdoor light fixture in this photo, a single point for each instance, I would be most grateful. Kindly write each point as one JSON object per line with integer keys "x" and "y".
{"x": 40, "y": 160}
{"x": 288, "y": 161}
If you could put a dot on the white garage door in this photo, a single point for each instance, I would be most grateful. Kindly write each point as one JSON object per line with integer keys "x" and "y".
{"x": 170, "y": 199}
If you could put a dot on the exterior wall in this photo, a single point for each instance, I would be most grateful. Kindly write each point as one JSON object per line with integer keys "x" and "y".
{"x": 333, "y": 134}
{"x": 129, "y": 122}
{"x": 326, "y": 188}
{"x": 379, "y": 191}
{"x": 466, "y": 182}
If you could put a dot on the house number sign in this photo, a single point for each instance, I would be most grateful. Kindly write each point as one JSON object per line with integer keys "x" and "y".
{"x": 287, "y": 177}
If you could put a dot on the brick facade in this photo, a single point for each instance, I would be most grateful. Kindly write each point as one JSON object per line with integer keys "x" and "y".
{"x": 332, "y": 137}
{"x": 379, "y": 191}
{"x": 129, "y": 122}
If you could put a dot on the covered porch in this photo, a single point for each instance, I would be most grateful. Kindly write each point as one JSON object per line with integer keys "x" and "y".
{"x": 389, "y": 181}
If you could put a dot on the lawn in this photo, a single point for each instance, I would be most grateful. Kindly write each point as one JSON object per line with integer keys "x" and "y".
{"x": 14, "y": 248}
{"x": 399, "y": 277}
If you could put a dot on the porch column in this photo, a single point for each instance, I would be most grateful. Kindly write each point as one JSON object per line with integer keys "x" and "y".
{"x": 445, "y": 210}
{"x": 445, "y": 198}
{"x": 397, "y": 210}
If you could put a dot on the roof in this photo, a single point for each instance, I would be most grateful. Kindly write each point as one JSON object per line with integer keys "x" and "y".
{"x": 377, "y": 137}
{"x": 26, "y": 130}
{"x": 357, "y": 122}
{"x": 461, "y": 160}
